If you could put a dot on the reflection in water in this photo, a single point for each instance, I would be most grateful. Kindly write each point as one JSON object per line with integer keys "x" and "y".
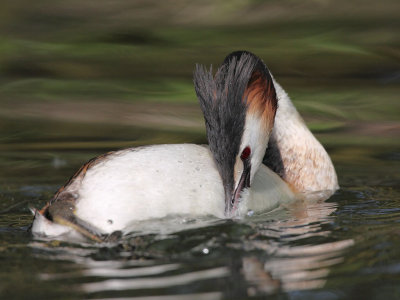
{"x": 295, "y": 267}
{"x": 155, "y": 282}
{"x": 276, "y": 253}
{"x": 110, "y": 271}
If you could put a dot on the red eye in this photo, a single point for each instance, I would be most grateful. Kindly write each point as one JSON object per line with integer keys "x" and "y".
{"x": 245, "y": 153}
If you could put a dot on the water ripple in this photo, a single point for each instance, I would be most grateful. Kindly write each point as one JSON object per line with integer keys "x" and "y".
{"x": 155, "y": 282}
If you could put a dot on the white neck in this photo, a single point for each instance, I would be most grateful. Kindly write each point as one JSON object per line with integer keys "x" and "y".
{"x": 295, "y": 154}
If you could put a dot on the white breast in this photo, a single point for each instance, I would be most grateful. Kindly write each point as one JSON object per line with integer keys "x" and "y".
{"x": 150, "y": 182}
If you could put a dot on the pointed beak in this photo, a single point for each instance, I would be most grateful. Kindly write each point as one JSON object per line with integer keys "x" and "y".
{"x": 232, "y": 199}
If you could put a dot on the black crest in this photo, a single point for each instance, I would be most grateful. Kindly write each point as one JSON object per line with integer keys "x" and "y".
{"x": 224, "y": 109}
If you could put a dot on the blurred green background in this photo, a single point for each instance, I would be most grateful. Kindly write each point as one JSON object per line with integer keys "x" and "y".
{"x": 108, "y": 74}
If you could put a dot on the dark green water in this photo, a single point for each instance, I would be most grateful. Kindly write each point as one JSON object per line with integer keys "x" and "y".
{"x": 80, "y": 79}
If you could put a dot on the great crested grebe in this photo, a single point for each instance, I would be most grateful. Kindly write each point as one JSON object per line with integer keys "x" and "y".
{"x": 235, "y": 174}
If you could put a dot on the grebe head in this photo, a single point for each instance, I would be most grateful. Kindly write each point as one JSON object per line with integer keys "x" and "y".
{"x": 239, "y": 105}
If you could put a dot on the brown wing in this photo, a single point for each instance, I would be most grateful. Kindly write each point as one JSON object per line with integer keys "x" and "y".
{"x": 62, "y": 195}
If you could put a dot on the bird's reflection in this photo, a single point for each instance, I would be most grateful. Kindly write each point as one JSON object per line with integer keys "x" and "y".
{"x": 295, "y": 262}
{"x": 286, "y": 250}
